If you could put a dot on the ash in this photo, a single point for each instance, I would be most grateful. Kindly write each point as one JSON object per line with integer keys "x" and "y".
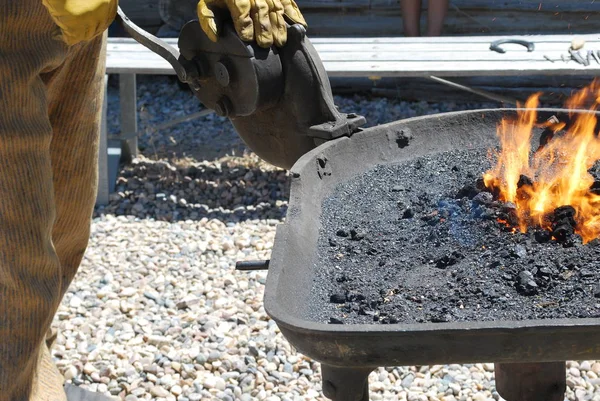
{"x": 419, "y": 242}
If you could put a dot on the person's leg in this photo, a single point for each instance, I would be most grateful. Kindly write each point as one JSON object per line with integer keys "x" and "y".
{"x": 411, "y": 17}
{"x": 75, "y": 97}
{"x": 436, "y": 14}
{"x": 32, "y": 277}
{"x": 75, "y": 94}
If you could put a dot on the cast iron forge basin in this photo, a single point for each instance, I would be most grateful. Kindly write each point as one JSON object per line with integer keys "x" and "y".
{"x": 291, "y": 269}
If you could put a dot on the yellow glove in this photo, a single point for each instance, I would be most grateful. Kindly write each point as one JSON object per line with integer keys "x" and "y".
{"x": 81, "y": 20}
{"x": 253, "y": 19}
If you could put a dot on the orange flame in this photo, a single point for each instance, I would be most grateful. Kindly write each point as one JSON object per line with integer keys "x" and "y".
{"x": 558, "y": 170}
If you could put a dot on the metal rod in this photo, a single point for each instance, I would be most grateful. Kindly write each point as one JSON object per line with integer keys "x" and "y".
{"x": 183, "y": 119}
{"x": 249, "y": 265}
{"x": 480, "y": 92}
{"x": 167, "y": 124}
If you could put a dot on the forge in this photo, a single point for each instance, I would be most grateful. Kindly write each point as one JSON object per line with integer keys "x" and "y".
{"x": 394, "y": 252}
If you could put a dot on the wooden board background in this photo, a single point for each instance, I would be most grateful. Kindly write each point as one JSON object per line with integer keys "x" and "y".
{"x": 383, "y": 17}
{"x": 371, "y": 18}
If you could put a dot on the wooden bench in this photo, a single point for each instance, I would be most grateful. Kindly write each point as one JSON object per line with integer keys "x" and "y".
{"x": 432, "y": 58}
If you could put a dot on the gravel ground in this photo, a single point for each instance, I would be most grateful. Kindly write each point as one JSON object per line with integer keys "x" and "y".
{"x": 157, "y": 310}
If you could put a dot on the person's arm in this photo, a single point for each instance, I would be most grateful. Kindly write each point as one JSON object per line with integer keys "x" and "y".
{"x": 81, "y": 20}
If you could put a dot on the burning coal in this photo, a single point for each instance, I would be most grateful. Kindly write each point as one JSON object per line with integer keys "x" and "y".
{"x": 551, "y": 187}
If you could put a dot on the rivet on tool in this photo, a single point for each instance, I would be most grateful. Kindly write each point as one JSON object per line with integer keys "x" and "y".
{"x": 223, "y": 107}
{"x": 222, "y": 74}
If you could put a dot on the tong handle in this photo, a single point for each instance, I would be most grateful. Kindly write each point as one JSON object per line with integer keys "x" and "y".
{"x": 154, "y": 44}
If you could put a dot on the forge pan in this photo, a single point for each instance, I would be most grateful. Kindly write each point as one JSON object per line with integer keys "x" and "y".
{"x": 291, "y": 270}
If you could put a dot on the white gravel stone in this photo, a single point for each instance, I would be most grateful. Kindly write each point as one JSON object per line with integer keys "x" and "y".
{"x": 157, "y": 391}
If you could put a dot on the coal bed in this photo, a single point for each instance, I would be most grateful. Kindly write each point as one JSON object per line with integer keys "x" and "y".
{"x": 418, "y": 241}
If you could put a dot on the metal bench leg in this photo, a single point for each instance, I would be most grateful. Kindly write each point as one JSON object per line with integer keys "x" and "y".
{"x": 531, "y": 381}
{"x": 345, "y": 384}
{"x": 128, "y": 103}
{"x": 103, "y": 184}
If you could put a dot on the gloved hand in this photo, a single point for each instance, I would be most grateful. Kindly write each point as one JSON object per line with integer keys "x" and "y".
{"x": 260, "y": 20}
{"x": 81, "y": 20}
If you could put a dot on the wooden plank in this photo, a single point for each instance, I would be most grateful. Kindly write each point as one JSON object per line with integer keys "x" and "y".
{"x": 471, "y": 5}
{"x": 450, "y": 69}
{"x": 131, "y": 51}
{"x": 383, "y": 17}
{"x": 388, "y": 22}
{"x": 528, "y": 5}
{"x": 128, "y": 57}
{"x": 447, "y": 56}
{"x": 407, "y": 68}
{"x": 470, "y": 44}
{"x": 129, "y": 44}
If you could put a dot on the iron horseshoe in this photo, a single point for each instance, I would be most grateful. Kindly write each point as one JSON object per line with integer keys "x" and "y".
{"x": 495, "y": 46}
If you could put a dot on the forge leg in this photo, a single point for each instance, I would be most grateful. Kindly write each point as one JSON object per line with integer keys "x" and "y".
{"x": 345, "y": 384}
{"x": 531, "y": 381}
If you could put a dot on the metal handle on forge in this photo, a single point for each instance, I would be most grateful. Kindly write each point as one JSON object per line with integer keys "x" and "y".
{"x": 250, "y": 265}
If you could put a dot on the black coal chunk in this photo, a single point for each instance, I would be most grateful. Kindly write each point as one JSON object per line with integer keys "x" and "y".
{"x": 408, "y": 213}
{"x": 355, "y": 297}
{"x": 542, "y": 236}
{"x": 508, "y": 213}
{"x": 357, "y": 234}
{"x": 337, "y": 298}
{"x": 546, "y": 272}
{"x": 333, "y": 320}
{"x": 524, "y": 181}
{"x": 520, "y": 251}
{"x": 548, "y": 132}
{"x": 468, "y": 191}
{"x": 587, "y": 273}
{"x": 563, "y": 222}
{"x": 526, "y": 284}
{"x": 341, "y": 233}
{"x": 595, "y": 187}
{"x": 448, "y": 260}
{"x": 483, "y": 198}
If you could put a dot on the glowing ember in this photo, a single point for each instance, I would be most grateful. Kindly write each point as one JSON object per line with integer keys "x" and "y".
{"x": 556, "y": 174}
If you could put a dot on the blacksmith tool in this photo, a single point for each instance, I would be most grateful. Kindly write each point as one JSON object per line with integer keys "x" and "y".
{"x": 278, "y": 99}
{"x": 575, "y": 55}
{"x": 495, "y": 45}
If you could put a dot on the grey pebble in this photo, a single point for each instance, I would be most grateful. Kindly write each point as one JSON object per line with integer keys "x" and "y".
{"x": 214, "y": 356}
{"x": 201, "y": 358}
{"x": 407, "y": 381}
